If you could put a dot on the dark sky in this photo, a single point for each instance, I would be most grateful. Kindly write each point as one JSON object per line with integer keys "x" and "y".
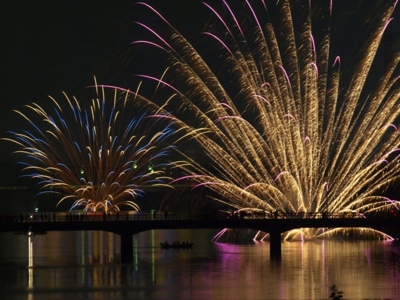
{"x": 52, "y": 46}
{"x": 48, "y": 45}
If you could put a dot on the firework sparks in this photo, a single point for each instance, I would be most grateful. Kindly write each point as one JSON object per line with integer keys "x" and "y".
{"x": 282, "y": 123}
{"x": 97, "y": 156}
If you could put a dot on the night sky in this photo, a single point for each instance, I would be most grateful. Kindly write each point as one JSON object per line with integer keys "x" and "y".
{"x": 54, "y": 46}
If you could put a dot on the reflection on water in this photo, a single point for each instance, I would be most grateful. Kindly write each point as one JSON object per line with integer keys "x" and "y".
{"x": 86, "y": 265}
{"x": 30, "y": 249}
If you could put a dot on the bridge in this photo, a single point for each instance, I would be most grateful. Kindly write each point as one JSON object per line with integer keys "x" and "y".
{"x": 128, "y": 224}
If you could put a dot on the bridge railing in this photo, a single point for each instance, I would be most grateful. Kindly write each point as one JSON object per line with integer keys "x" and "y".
{"x": 153, "y": 215}
{"x": 98, "y": 216}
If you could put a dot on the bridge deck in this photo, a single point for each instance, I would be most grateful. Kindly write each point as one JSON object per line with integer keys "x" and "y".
{"x": 131, "y": 223}
{"x": 128, "y": 224}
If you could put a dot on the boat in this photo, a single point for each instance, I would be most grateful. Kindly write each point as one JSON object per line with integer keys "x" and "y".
{"x": 176, "y": 245}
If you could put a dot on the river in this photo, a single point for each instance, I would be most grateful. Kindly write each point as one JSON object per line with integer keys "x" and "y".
{"x": 85, "y": 265}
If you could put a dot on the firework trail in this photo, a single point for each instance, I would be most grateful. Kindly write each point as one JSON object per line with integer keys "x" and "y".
{"x": 285, "y": 125}
{"x": 95, "y": 153}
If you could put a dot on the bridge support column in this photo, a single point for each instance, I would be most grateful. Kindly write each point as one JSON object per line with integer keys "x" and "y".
{"x": 275, "y": 244}
{"x": 126, "y": 248}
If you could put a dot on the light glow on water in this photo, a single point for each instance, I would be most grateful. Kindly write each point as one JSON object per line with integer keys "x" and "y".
{"x": 30, "y": 249}
{"x": 362, "y": 269}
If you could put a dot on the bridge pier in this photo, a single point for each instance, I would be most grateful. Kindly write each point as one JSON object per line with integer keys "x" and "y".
{"x": 126, "y": 248}
{"x": 275, "y": 244}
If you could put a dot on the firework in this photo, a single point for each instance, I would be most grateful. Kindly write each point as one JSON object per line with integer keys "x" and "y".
{"x": 99, "y": 154}
{"x": 284, "y": 124}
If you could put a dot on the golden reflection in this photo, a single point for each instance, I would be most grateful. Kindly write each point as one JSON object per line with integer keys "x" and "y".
{"x": 153, "y": 263}
{"x": 30, "y": 278}
{"x": 30, "y": 249}
{"x": 30, "y": 263}
{"x": 83, "y": 255}
{"x": 136, "y": 257}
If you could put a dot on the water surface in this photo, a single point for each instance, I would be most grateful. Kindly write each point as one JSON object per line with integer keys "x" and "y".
{"x": 86, "y": 265}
